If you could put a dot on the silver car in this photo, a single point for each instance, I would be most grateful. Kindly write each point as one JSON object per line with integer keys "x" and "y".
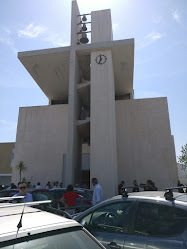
{"x": 25, "y": 227}
{"x": 149, "y": 220}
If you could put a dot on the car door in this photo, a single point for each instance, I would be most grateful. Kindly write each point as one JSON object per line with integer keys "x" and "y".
{"x": 109, "y": 223}
{"x": 157, "y": 225}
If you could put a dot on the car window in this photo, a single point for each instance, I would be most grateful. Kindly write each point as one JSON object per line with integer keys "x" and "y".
{"x": 41, "y": 196}
{"x": 160, "y": 220}
{"x": 109, "y": 218}
{"x": 3, "y": 194}
{"x": 70, "y": 240}
{"x": 58, "y": 193}
{"x": 8, "y": 193}
{"x": 85, "y": 194}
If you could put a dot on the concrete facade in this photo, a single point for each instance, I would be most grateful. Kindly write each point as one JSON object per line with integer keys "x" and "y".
{"x": 6, "y": 154}
{"x": 41, "y": 142}
{"x": 93, "y": 127}
{"x": 144, "y": 142}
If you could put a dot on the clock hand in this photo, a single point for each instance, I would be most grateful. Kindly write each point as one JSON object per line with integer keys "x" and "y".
{"x": 100, "y": 58}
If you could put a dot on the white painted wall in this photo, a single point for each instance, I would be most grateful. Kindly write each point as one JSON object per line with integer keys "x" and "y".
{"x": 41, "y": 142}
{"x": 144, "y": 143}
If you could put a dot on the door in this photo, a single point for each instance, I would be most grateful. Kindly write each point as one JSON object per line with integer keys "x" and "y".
{"x": 157, "y": 225}
{"x": 109, "y": 223}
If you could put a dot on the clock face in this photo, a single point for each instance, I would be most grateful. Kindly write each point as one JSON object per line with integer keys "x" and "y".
{"x": 101, "y": 59}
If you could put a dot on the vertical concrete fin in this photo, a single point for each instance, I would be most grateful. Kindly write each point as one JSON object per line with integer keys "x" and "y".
{"x": 103, "y": 151}
{"x": 101, "y": 26}
{"x": 75, "y": 19}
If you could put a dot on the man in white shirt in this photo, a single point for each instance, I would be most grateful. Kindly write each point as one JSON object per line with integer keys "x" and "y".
{"x": 38, "y": 186}
{"x": 98, "y": 193}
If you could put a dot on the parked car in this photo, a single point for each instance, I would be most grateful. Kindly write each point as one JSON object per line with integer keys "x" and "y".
{"x": 139, "y": 220}
{"x": 86, "y": 193}
{"x": 38, "y": 229}
{"x": 37, "y": 195}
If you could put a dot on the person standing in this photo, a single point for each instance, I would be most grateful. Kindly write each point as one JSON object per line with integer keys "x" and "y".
{"x": 98, "y": 193}
{"x": 38, "y": 186}
{"x": 180, "y": 190}
{"x": 136, "y": 187}
{"x": 55, "y": 185}
{"x": 120, "y": 188}
{"x": 23, "y": 192}
{"x": 48, "y": 186}
{"x": 69, "y": 199}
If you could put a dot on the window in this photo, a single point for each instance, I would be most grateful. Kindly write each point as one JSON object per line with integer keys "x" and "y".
{"x": 110, "y": 218}
{"x": 70, "y": 240}
{"x": 41, "y": 196}
{"x": 160, "y": 220}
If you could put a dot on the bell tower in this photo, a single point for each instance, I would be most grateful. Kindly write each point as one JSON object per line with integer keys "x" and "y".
{"x": 92, "y": 91}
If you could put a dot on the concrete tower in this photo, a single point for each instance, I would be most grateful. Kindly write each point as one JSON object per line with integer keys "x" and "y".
{"x": 101, "y": 127}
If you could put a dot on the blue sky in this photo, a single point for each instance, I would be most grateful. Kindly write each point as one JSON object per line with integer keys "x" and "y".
{"x": 160, "y": 31}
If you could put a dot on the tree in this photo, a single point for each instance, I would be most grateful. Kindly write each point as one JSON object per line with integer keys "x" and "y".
{"x": 183, "y": 158}
{"x": 21, "y": 167}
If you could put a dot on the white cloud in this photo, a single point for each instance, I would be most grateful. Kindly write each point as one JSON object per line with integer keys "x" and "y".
{"x": 56, "y": 40}
{"x": 32, "y": 31}
{"x": 176, "y": 16}
{"x": 149, "y": 39}
{"x": 9, "y": 42}
{"x": 6, "y": 40}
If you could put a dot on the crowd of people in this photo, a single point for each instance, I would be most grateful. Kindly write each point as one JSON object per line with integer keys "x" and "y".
{"x": 68, "y": 199}
{"x": 48, "y": 186}
{"x": 149, "y": 186}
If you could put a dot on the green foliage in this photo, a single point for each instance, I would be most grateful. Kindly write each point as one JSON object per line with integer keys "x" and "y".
{"x": 21, "y": 167}
{"x": 183, "y": 158}
{"x": 24, "y": 179}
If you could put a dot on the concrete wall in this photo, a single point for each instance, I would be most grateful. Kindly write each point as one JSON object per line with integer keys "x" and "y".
{"x": 41, "y": 142}
{"x": 5, "y": 162}
{"x": 144, "y": 143}
{"x": 101, "y": 26}
{"x": 103, "y": 151}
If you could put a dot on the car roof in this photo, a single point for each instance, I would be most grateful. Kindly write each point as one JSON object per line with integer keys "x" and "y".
{"x": 34, "y": 221}
{"x": 155, "y": 195}
{"x": 64, "y": 189}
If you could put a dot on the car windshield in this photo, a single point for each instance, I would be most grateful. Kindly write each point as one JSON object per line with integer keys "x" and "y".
{"x": 8, "y": 193}
{"x": 84, "y": 194}
{"x": 69, "y": 239}
{"x": 41, "y": 196}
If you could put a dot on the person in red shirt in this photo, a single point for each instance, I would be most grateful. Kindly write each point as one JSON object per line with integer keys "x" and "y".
{"x": 69, "y": 199}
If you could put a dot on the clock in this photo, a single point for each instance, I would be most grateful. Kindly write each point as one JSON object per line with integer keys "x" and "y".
{"x": 101, "y": 59}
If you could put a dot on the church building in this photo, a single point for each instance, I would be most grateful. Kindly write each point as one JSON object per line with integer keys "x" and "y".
{"x": 93, "y": 126}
